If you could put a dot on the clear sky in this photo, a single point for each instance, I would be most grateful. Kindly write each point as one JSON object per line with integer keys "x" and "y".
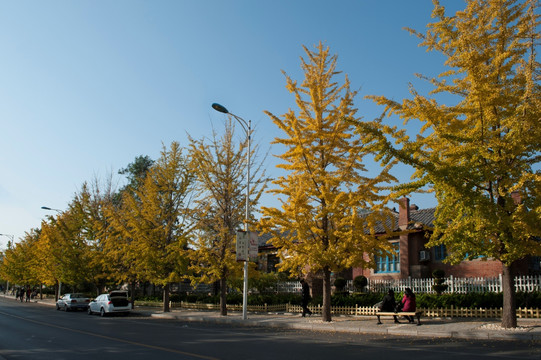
{"x": 86, "y": 86}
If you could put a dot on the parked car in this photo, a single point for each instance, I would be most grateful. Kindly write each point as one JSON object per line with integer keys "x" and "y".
{"x": 75, "y": 301}
{"x": 114, "y": 302}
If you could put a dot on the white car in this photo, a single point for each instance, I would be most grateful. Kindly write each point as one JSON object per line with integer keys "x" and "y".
{"x": 72, "y": 302}
{"x": 114, "y": 302}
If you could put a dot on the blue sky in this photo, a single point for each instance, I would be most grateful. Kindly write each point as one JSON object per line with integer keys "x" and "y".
{"x": 86, "y": 86}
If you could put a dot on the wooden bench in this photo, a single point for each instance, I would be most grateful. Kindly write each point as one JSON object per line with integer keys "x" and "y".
{"x": 417, "y": 315}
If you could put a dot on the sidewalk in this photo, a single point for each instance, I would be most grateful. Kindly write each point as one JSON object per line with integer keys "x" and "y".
{"x": 528, "y": 329}
{"x": 460, "y": 328}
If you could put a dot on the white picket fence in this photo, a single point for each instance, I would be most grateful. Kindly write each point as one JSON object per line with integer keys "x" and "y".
{"x": 455, "y": 284}
{"x": 356, "y": 310}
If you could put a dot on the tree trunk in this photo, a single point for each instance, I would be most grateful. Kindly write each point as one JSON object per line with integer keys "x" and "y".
{"x": 326, "y": 295}
{"x": 223, "y": 297}
{"x": 509, "y": 316}
{"x": 56, "y": 292}
{"x": 166, "y": 298}
{"x": 132, "y": 293}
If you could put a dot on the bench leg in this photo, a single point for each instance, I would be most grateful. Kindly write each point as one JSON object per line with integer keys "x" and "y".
{"x": 418, "y": 319}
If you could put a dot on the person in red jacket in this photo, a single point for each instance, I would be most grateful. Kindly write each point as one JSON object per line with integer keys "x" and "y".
{"x": 408, "y": 303}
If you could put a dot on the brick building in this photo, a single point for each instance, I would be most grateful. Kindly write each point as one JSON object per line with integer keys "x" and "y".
{"x": 413, "y": 258}
{"x": 416, "y": 260}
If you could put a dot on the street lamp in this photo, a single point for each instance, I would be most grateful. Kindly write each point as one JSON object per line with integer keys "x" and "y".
{"x": 48, "y": 208}
{"x": 247, "y": 127}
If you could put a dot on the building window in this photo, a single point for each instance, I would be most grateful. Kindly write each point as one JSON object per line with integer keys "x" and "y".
{"x": 440, "y": 252}
{"x": 389, "y": 263}
{"x": 272, "y": 261}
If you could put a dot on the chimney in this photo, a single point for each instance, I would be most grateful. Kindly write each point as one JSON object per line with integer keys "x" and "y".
{"x": 403, "y": 213}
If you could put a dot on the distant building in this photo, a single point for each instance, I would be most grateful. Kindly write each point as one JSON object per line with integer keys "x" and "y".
{"x": 413, "y": 258}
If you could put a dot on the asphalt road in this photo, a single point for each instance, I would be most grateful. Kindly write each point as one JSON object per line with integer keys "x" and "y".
{"x": 34, "y": 331}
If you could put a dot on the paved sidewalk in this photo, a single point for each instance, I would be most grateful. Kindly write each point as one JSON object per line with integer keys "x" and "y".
{"x": 463, "y": 328}
{"x": 528, "y": 329}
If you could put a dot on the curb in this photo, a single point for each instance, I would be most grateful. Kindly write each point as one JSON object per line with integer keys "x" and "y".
{"x": 357, "y": 329}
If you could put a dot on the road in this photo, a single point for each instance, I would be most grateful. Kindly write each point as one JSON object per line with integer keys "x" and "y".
{"x": 34, "y": 331}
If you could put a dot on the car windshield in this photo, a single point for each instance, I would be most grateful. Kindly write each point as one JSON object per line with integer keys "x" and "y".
{"x": 77, "y": 296}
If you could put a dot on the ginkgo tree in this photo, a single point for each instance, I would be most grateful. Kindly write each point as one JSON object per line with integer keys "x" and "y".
{"x": 323, "y": 225}
{"x": 156, "y": 219}
{"x": 89, "y": 204}
{"x": 20, "y": 263}
{"x": 481, "y": 151}
{"x": 62, "y": 250}
{"x": 119, "y": 256}
{"x": 220, "y": 169}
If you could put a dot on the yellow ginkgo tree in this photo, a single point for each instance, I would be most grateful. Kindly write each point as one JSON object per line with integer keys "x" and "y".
{"x": 19, "y": 262}
{"x": 220, "y": 169}
{"x": 480, "y": 152}
{"x": 155, "y": 217}
{"x": 323, "y": 225}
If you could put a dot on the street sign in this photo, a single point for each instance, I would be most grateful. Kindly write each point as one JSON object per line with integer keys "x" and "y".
{"x": 253, "y": 247}
{"x": 247, "y": 246}
{"x": 242, "y": 245}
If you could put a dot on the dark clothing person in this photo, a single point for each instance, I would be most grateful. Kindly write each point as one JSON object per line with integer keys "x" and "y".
{"x": 389, "y": 304}
{"x": 305, "y": 298}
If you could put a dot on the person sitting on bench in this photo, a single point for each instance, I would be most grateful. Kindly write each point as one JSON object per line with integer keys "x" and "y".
{"x": 408, "y": 304}
{"x": 389, "y": 304}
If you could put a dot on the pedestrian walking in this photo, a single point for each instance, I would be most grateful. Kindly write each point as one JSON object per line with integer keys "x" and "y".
{"x": 408, "y": 303}
{"x": 305, "y": 298}
{"x": 28, "y": 293}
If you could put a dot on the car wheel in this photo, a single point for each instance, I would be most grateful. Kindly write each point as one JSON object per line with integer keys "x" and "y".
{"x": 57, "y": 307}
{"x": 66, "y": 308}
{"x": 88, "y": 311}
{"x": 102, "y": 312}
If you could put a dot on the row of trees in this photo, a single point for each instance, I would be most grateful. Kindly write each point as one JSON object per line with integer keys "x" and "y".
{"x": 178, "y": 216}
{"x": 175, "y": 219}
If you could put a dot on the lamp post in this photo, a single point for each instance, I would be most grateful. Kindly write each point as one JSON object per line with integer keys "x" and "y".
{"x": 10, "y": 244}
{"x": 247, "y": 127}
{"x": 48, "y": 208}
